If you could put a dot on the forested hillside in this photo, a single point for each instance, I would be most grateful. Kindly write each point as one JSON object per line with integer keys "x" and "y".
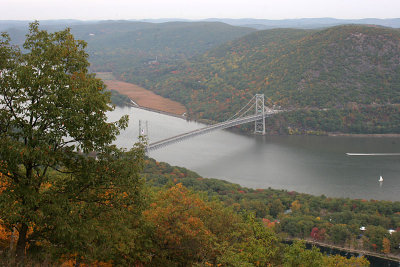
{"x": 122, "y": 46}
{"x": 319, "y": 218}
{"x": 340, "y": 79}
{"x": 63, "y": 205}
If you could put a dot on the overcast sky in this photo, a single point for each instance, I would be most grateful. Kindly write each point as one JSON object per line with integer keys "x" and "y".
{"x": 197, "y": 9}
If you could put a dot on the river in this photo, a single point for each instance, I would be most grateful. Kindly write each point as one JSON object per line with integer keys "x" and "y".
{"x": 309, "y": 164}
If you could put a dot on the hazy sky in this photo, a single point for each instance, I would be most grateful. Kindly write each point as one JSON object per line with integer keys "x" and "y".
{"x": 197, "y": 9}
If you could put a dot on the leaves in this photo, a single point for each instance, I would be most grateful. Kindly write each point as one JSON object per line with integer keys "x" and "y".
{"x": 53, "y": 114}
{"x": 319, "y": 74}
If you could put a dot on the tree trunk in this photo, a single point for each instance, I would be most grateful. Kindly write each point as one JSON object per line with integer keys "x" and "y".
{"x": 78, "y": 261}
{"x": 12, "y": 247}
{"x": 21, "y": 244}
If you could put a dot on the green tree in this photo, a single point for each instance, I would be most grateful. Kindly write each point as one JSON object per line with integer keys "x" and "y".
{"x": 339, "y": 233}
{"x": 53, "y": 113}
{"x": 375, "y": 235}
{"x": 297, "y": 255}
{"x": 276, "y": 207}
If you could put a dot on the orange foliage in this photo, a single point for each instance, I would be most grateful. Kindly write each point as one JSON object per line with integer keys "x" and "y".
{"x": 4, "y": 183}
{"x": 71, "y": 263}
{"x": 179, "y": 219}
{"x": 386, "y": 245}
{"x": 5, "y": 236}
{"x": 267, "y": 223}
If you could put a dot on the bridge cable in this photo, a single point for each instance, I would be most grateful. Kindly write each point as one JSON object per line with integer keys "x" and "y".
{"x": 231, "y": 118}
{"x": 252, "y": 106}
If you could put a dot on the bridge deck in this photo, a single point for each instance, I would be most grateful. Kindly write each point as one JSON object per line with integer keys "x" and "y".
{"x": 218, "y": 126}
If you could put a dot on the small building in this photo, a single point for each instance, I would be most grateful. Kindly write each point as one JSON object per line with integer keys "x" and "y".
{"x": 391, "y": 231}
{"x": 288, "y": 211}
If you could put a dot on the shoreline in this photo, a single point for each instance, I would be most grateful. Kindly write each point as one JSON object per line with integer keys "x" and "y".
{"x": 161, "y": 112}
{"x": 363, "y": 135}
{"x": 204, "y": 121}
{"x": 207, "y": 122}
{"x": 391, "y": 257}
{"x": 142, "y": 97}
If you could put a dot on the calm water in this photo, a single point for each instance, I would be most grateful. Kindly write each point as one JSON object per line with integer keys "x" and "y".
{"x": 309, "y": 164}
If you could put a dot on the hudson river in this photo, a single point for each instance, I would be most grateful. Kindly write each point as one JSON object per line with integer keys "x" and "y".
{"x": 309, "y": 164}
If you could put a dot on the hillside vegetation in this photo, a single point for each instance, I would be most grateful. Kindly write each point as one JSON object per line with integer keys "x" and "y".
{"x": 321, "y": 219}
{"x": 340, "y": 79}
{"x": 121, "y": 46}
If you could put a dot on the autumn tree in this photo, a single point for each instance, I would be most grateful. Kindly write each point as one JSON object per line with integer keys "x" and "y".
{"x": 53, "y": 113}
{"x": 341, "y": 261}
{"x": 386, "y": 245}
{"x": 189, "y": 230}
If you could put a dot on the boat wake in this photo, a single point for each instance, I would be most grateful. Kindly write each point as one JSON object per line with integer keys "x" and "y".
{"x": 373, "y": 154}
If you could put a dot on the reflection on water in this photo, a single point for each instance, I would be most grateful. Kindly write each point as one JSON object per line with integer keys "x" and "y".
{"x": 309, "y": 164}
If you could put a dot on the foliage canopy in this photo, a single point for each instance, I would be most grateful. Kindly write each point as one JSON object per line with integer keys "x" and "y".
{"x": 53, "y": 113}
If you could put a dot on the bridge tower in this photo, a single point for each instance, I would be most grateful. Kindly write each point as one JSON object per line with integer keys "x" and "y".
{"x": 144, "y": 130}
{"x": 259, "y": 126}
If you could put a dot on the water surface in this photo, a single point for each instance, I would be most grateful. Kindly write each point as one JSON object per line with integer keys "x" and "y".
{"x": 309, "y": 164}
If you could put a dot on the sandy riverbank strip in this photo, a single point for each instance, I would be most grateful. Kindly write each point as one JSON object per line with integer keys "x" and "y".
{"x": 145, "y": 98}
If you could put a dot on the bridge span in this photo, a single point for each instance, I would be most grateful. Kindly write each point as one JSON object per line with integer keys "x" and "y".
{"x": 204, "y": 130}
{"x": 261, "y": 112}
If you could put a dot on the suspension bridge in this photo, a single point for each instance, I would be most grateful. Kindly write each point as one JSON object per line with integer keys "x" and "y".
{"x": 254, "y": 111}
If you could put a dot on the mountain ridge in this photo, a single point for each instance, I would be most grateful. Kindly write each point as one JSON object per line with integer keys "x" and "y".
{"x": 260, "y": 24}
{"x": 342, "y": 73}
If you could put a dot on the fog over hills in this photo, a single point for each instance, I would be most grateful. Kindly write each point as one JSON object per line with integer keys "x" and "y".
{"x": 304, "y": 23}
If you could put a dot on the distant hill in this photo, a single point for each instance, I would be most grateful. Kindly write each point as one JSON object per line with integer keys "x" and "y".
{"x": 5, "y": 25}
{"x": 304, "y": 23}
{"x": 127, "y": 45}
{"x": 307, "y": 23}
{"x": 344, "y": 78}
{"x": 337, "y": 79}
{"x": 260, "y": 24}
{"x": 122, "y": 46}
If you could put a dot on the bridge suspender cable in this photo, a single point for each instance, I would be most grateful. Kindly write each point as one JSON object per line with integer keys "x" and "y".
{"x": 259, "y": 118}
{"x": 231, "y": 118}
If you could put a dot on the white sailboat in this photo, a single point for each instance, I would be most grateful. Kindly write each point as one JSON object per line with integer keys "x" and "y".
{"x": 380, "y": 179}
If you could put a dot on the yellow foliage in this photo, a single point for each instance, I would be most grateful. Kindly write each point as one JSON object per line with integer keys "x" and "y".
{"x": 340, "y": 261}
{"x": 295, "y": 205}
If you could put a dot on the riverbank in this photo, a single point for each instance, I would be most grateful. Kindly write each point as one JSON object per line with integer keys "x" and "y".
{"x": 142, "y": 97}
{"x": 147, "y": 100}
{"x": 391, "y": 256}
{"x": 364, "y": 135}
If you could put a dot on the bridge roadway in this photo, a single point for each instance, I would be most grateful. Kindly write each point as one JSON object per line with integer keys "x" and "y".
{"x": 207, "y": 129}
